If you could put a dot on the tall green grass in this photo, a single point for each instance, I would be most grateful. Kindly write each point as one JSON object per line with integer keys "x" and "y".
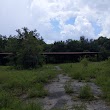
{"x": 99, "y": 72}
{"x": 68, "y": 87}
{"x": 15, "y": 83}
{"x": 86, "y": 93}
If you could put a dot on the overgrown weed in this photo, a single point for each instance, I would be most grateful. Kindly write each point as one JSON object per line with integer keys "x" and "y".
{"x": 15, "y": 83}
{"x": 68, "y": 87}
{"x": 86, "y": 93}
{"x": 99, "y": 72}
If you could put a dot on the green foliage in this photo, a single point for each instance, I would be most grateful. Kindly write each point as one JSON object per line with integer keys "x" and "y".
{"x": 78, "y": 75}
{"x": 3, "y": 42}
{"x": 29, "y": 54}
{"x": 9, "y": 102}
{"x": 32, "y": 106}
{"x": 68, "y": 87}
{"x": 102, "y": 44}
{"x": 14, "y": 84}
{"x": 93, "y": 59}
{"x": 26, "y": 48}
{"x": 37, "y": 91}
{"x": 28, "y": 44}
{"x": 99, "y": 72}
{"x": 96, "y": 71}
{"x": 74, "y": 70}
{"x": 86, "y": 93}
{"x": 5, "y": 99}
{"x": 84, "y": 62}
{"x": 12, "y": 44}
{"x": 108, "y": 61}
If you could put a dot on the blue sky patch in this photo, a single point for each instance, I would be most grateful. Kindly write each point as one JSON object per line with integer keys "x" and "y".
{"x": 55, "y": 24}
{"x": 70, "y": 21}
{"x": 97, "y": 29}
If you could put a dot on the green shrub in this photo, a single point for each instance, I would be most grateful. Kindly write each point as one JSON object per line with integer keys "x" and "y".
{"x": 98, "y": 72}
{"x": 5, "y": 99}
{"x": 26, "y": 48}
{"x": 78, "y": 76}
{"x": 86, "y": 93}
{"x": 17, "y": 83}
{"x": 108, "y": 61}
{"x": 8, "y": 101}
{"x": 37, "y": 91}
{"x": 84, "y": 62}
{"x": 68, "y": 87}
{"x": 32, "y": 106}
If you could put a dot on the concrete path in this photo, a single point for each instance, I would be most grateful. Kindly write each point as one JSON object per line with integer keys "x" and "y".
{"x": 58, "y": 99}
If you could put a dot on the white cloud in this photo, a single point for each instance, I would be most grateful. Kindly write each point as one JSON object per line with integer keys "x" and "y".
{"x": 39, "y": 14}
{"x": 81, "y": 27}
{"x": 13, "y": 15}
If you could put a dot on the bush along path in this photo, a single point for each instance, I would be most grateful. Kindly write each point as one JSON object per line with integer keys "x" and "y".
{"x": 65, "y": 93}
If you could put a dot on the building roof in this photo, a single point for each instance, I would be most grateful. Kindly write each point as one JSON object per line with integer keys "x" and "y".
{"x": 68, "y": 53}
{"x": 6, "y": 53}
{"x": 59, "y": 53}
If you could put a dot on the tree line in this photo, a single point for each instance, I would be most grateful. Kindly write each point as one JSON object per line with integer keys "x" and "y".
{"x": 28, "y": 45}
{"x": 102, "y": 45}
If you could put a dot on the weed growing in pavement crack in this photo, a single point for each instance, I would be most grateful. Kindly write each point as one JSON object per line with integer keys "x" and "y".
{"x": 86, "y": 93}
{"x": 79, "y": 107}
{"x": 68, "y": 87}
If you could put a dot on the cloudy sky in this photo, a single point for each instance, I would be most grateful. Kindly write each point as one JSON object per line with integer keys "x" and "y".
{"x": 56, "y": 19}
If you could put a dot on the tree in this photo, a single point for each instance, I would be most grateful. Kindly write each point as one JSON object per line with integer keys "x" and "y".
{"x": 58, "y": 46}
{"x": 73, "y": 45}
{"x": 84, "y": 44}
{"x": 3, "y": 42}
{"x": 26, "y": 48}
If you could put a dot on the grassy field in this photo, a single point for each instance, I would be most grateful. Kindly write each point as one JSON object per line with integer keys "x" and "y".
{"x": 14, "y": 84}
{"x": 98, "y": 72}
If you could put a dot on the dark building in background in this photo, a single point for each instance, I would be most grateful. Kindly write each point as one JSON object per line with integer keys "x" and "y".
{"x": 68, "y": 57}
